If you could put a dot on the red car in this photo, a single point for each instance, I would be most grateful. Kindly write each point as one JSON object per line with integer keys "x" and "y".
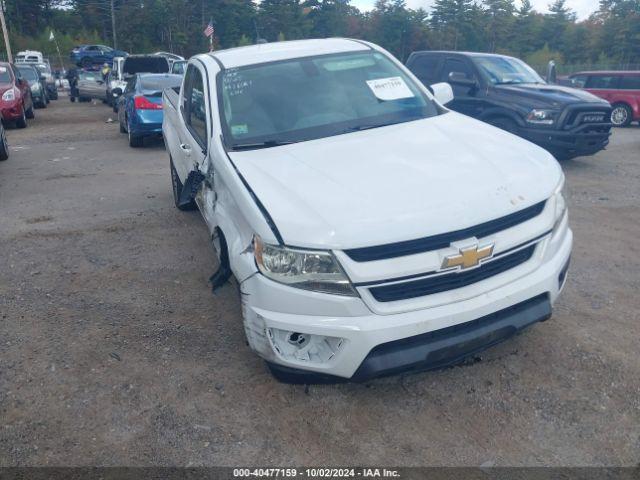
{"x": 620, "y": 89}
{"x": 16, "y": 103}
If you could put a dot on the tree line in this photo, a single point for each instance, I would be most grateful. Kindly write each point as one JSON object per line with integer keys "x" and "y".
{"x": 611, "y": 35}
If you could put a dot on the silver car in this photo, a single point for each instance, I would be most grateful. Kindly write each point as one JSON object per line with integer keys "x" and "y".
{"x": 91, "y": 85}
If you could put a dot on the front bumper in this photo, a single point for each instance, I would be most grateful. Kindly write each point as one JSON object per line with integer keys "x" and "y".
{"x": 378, "y": 344}
{"x": 584, "y": 141}
{"x": 11, "y": 110}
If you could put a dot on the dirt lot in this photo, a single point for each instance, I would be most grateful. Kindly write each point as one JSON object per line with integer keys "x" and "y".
{"x": 114, "y": 351}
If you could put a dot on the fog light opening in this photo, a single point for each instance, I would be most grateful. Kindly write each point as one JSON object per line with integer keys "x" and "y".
{"x": 304, "y": 347}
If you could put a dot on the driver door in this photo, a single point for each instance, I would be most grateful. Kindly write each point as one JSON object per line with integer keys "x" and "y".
{"x": 193, "y": 139}
{"x": 465, "y": 99}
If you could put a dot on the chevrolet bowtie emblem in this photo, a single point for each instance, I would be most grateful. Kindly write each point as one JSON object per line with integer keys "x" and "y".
{"x": 468, "y": 257}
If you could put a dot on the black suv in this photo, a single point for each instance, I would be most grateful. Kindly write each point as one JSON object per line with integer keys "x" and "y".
{"x": 506, "y": 92}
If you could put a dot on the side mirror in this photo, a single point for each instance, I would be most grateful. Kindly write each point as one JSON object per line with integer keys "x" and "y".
{"x": 442, "y": 92}
{"x": 459, "y": 78}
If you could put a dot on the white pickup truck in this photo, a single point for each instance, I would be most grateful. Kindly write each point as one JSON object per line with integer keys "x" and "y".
{"x": 371, "y": 229}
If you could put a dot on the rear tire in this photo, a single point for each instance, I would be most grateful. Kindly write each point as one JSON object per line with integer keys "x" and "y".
{"x": 176, "y": 186}
{"x": 135, "y": 141}
{"x": 621, "y": 115}
{"x": 4, "y": 148}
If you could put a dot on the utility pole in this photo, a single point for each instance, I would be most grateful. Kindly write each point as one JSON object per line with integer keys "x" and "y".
{"x": 6, "y": 34}
{"x": 113, "y": 25}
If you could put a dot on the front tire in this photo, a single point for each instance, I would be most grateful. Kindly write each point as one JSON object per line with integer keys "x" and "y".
{"x": 31, "y": 113}
{"x": 176, "y": 186}
{"x": 22, "y": 121}
{"x": 621, "y": 115}
{"x": 4, "y": 148}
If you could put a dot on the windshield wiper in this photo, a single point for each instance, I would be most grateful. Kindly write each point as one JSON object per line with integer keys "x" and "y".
{"x": 359, "y": 128}
{"x": 256, "y": 145}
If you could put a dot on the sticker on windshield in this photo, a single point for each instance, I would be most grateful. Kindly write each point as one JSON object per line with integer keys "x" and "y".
{"x": 392, "y": 88}
{"x": 239, "y": 129}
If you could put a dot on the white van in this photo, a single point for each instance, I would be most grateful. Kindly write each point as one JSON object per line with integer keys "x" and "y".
{"x": 29, "y": 56}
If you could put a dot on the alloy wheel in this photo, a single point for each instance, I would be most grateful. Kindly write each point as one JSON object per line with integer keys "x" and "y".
{"x": 619, "y": 115}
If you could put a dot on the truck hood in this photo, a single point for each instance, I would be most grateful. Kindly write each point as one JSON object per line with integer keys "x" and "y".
{"x": 398, "y": 182}
{"x": 550, "y": 95}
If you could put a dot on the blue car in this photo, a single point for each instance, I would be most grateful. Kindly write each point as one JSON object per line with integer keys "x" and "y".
{"x": 140, "y": 106}
{"x": 88, "y": 55}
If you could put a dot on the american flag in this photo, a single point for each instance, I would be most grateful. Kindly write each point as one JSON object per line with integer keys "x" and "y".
{"x": 209, "y": 30}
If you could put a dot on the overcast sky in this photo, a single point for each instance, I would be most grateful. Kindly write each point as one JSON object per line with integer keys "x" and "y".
{"x": 583, "y": 8}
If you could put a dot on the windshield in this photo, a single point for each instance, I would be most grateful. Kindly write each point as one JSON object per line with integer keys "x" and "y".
{"x": 178, "y": 67}
{"x": 29, "y": 73}
{"x": 44, "y": 69}
{"x": 506, "y": 70}
{"x": 5, "y": 76}
{"x": 89, "y": 76}
{"x": 315, "y": 97}
{"x": 160, "y": 82}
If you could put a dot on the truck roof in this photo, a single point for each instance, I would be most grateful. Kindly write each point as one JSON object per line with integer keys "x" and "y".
{"x": 467, "y": 54}
{"x": 623, "y": 73}
{"x": 270, "y": 52}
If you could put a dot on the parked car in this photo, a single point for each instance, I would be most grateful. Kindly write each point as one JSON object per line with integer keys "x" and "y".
{"x": 140, "y": 110}
{"x": 4, "y": 146}
{"x": 61, "y": 81}
{"x": 178, "y": 67}
{"x": 133, "y": 65}
{"x": 49, "y": 80}
{"x": 507, "y": 93}
{"x": 16, "y": 102}
{"x": 370, "y": 228}
{"x": 620, "y": 89}
{"x": 90, "y": 85}
{"x": 88, "y": 55}
{"x": 36, "y": 83}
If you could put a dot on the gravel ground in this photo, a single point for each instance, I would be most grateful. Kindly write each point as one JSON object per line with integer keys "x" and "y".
{"x": 114, "y": 351}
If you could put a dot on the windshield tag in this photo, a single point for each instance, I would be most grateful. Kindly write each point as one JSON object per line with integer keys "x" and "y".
{"x": 239, "y": 129}
{"x": 392, "y": 88}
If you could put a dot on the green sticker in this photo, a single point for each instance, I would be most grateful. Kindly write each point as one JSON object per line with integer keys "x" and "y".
{"x": 239, "y": 129}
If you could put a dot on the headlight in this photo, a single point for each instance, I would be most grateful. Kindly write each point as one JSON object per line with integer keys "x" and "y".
{"x": 9, "y": 95}
{"x": 35, "y": 87}
{"x": 308, "y": 269}
{"x": 559, "y": 196}
{"x": 541, "y": 117}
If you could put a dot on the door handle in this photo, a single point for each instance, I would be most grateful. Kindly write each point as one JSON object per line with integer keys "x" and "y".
{"x": 186, "y": 148}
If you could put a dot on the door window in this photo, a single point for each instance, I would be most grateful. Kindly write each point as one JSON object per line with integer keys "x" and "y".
{"x": 458, "y": 66}
{"x": 195, "y": 112}
{"x": 602, "y": 81}
{"x": 425, "y": 67}
{"x": 578, "y": 81}
{"x": 629, "y": 82}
